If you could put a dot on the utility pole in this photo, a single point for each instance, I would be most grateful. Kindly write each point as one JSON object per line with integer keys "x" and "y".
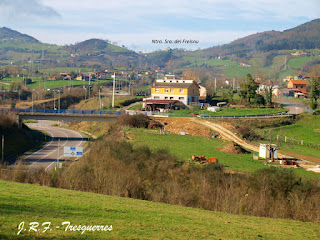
{"x": 58, "y": 153}
{"x": 59, "y": 102}
{"x": 54, "y": 100}
{"x": 100, "y": 98}
{"x": 2, "y": 148}
{"x": 32, "y": 101}
{"x": 129, "y": 86}
{"x": 89, "y": 86}
{"x": 114, "y": 81}
{"x": 215, "y": 85}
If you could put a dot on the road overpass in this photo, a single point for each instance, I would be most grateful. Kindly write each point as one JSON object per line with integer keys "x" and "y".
{"x": 111, "y": 116}
{"x": 63, "y": 115}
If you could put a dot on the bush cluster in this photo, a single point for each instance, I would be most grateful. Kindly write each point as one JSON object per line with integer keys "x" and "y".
{"x": 116, "y": 168}
{"x": 137, "y": 121}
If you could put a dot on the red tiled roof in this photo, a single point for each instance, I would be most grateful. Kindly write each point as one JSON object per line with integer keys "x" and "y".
{"x": 300, "y": 82}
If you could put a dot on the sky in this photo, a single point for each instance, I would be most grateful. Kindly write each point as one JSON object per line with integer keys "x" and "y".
{"x": 136, "y": 23}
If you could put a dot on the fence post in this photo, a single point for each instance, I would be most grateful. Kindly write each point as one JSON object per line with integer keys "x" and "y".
{"x": 301, "y": 142}
{"x": 277, "y": 138}
{"x": 285, "y": 138}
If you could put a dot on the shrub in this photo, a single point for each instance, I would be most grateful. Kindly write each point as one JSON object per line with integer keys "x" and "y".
{"x": 137, "y": 121}
{"x": 248, "y": 133}
{"x": 129, "y": 101}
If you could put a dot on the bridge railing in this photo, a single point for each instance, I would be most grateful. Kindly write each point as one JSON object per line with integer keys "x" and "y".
{"x": 61, "y": 111}
{"x": 115, "y": 113}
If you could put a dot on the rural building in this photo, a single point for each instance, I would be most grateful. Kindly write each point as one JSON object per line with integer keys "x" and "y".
{"x": 161, "y": 104}
{"x": 298, "y": 53}
{"x": 65, "y": 76}
{"x": 288, "y": 78}
{"x": 299, "y": 86}
{"x": 268, "y": 151}
{"x": 185, "y": 91}
{"x": 245, "y": 64}
{"x": 267, "y": 85}
{"x": 229, "y": 82}
{"x": 297, "y": 77}
{"x": 203, "y": 93}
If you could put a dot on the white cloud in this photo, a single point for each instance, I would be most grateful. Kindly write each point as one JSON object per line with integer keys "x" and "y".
{"x": 22, "y": 11}
{"x": 143, "y": 42}
{"x": 136, "y": 23}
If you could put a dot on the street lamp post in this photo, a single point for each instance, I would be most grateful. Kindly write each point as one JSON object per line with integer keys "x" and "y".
{"x": 54, "y": 100}
{"x": 59, "y": 102}
{"x": 100, "y": 98}
{"x": 32, "y": 99}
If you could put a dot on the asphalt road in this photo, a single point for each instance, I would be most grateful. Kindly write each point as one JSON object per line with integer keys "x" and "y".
{"x": 46, "y": 158}
{"x": 294, "y": 106}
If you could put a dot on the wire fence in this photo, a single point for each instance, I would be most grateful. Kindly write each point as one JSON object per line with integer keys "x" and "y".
{"x": 292, "y": 140}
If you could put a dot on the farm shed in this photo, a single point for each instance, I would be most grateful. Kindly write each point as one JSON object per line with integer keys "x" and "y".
{"x": 268, "y": 151}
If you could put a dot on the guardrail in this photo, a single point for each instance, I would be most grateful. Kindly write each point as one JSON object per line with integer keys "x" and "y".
{"x": 132, "y": 112}
{"x": 277, "y": 114}
{"x": 61, "y": 111}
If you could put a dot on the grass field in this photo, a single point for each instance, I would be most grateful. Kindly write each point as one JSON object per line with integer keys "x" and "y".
{"x": 306, "y": 129}
{"x": 39, "y": 82}
{"x": 297, "y": 62}
{"x": 130, "y": 219}
{"x": 136, "y": 107}
{"x": 58, "y": 70}
{"x": 229, "y": 111}
{"x": 185, "y": 146}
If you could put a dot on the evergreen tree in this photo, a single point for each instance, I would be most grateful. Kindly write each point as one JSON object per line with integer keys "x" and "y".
{"x": 268, "y": 95}
{"x": 315, "y": 92}
{"x": 248, "y": 89}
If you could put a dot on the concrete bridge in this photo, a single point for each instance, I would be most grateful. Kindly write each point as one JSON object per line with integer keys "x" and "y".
{"x": 109, "y": 116}
{"x": 63, "y": 115}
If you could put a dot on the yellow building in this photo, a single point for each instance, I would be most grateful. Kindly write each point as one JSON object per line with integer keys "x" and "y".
{"x": 288, "y": 78}
{"x": 185, "y": 91}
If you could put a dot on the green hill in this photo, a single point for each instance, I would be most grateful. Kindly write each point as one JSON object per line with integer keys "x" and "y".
{"x": 130, "y": 219}
{"x": 7, "y": 34}
{"x": 305, "y": 36}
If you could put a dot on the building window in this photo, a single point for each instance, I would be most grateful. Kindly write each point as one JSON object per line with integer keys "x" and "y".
{"x": 166, "y": 90}
{"x": 171, "y": 98}
{"x": 171, "y": 90}
{"x": 181, "y": 90}
{"x": 192, "y": 91}
{"x": 156, "y": 97}
{"x": 181, "y": 98}
{"x": 157, "y": 90}
{"x": 165, "y": 97}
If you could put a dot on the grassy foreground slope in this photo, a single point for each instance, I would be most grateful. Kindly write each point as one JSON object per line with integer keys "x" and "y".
{"x": 130, "y": 219}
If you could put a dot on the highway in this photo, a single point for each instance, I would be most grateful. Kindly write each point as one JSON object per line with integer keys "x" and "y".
{"x": 46, "y": 158}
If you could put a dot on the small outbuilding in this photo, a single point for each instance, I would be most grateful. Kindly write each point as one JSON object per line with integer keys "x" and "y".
{"x": 268, "y": 151}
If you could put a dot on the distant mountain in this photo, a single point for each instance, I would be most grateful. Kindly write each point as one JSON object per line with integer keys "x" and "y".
{"x": 96, "y": 45}
{"x": 7, "y": 34}
{"x": 305, "y": 36}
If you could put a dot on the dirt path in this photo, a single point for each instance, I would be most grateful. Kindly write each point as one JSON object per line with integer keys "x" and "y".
{"x": 225, "y": 133}
{"x": 132, "y": 104}
{"x": 306, "y": 162}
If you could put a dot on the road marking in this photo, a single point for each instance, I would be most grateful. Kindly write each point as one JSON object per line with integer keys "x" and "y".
{"x": 57, "y": 130}
{"x": 50, "y": 152}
